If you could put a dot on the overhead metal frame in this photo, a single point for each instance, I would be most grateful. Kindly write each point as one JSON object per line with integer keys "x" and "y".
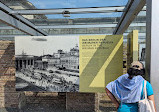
{"x": 78, "y": 26}
{"x": 131, "y": 11}
{"x": 28, "y": 27}
{"x": 86, "y": 26}
{"x": 6, "y": 28}
{"x": 19, "y": 22}
{"x": 71, "y": 10}
{"x": 142, "y": 35}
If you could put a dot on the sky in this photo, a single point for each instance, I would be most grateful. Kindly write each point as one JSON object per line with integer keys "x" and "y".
{"x": 46, "y": 4}
{"x": 51, "y": 4}
{"x": 38, "y": 48}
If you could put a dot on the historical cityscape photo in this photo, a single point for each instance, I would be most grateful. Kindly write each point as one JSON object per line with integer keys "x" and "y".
{"x": 47, "y": 64}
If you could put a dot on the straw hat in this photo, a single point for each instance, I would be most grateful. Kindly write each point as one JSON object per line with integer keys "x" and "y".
{"x": 136, "y": 65}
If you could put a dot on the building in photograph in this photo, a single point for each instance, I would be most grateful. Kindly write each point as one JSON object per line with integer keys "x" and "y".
{"x": 42, "y": 65}
{"x": 71, "y": 59}
{"x": 52, "y": 62}
{"x": 46, "y": 57}
{"x": 70, "y": 62}
{"x": 24, "y": 61}
{"x": 59, "y": 54}
{"x": 74, "y": 51}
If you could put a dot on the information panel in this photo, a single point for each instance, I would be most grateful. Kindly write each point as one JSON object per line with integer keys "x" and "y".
{"x": 67, "y": 63}
{"x": 101, "y": 61}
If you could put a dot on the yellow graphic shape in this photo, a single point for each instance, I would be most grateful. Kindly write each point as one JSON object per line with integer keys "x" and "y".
{"x": 101, "y": 75}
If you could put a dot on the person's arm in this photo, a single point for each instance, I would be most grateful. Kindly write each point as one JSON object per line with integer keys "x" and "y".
{"x": 113, "y": 99}
{"x": 152, "y": 99}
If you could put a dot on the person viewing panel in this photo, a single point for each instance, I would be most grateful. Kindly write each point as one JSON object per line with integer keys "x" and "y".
{"x": 127, "y": 90}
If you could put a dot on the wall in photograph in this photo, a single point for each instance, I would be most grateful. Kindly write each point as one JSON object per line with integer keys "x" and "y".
{"x": 48, "y": 63}
{"x": 101, "y": 61}
{"x": 132, "y": 47}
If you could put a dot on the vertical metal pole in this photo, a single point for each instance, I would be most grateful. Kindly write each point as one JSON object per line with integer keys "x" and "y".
{"x": 152, "y": 46}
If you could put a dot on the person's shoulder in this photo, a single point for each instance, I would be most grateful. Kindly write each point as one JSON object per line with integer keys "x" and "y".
{"x": 149, "y": 88}
{"x": 148, "y": 84}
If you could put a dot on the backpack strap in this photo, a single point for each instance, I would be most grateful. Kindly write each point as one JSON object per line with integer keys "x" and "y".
{"x": 144, "y": 90}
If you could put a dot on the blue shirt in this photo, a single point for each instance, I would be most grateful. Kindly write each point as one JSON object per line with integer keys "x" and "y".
{"x": 133, "y": 107}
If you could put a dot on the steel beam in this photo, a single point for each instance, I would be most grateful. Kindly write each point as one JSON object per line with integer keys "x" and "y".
{"x": 131, "y": 11}
{"x": 9, "y": 37}
{"x": 87, "y": 26}
{"x": 71, "y": 10}
{"x": 10, "y": 21}
{"x": 18, "y": 22}
{"x": 6, "y": 28}
{"x": 141, "y": 35}
{"x": 77, "y": 26}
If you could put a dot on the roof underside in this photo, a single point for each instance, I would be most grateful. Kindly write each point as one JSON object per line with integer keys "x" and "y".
{"x": 34, "y": 19}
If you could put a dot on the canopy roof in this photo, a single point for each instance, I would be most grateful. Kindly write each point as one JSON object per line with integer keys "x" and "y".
{"x": 62, "y": 17}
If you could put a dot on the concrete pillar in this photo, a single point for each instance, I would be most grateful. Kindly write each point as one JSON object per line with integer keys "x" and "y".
{"x": 152, "y": 46}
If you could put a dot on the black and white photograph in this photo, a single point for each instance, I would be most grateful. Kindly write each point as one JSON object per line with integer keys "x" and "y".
{"x": 142, "y": 49}
{"x": 47, "y": 63}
